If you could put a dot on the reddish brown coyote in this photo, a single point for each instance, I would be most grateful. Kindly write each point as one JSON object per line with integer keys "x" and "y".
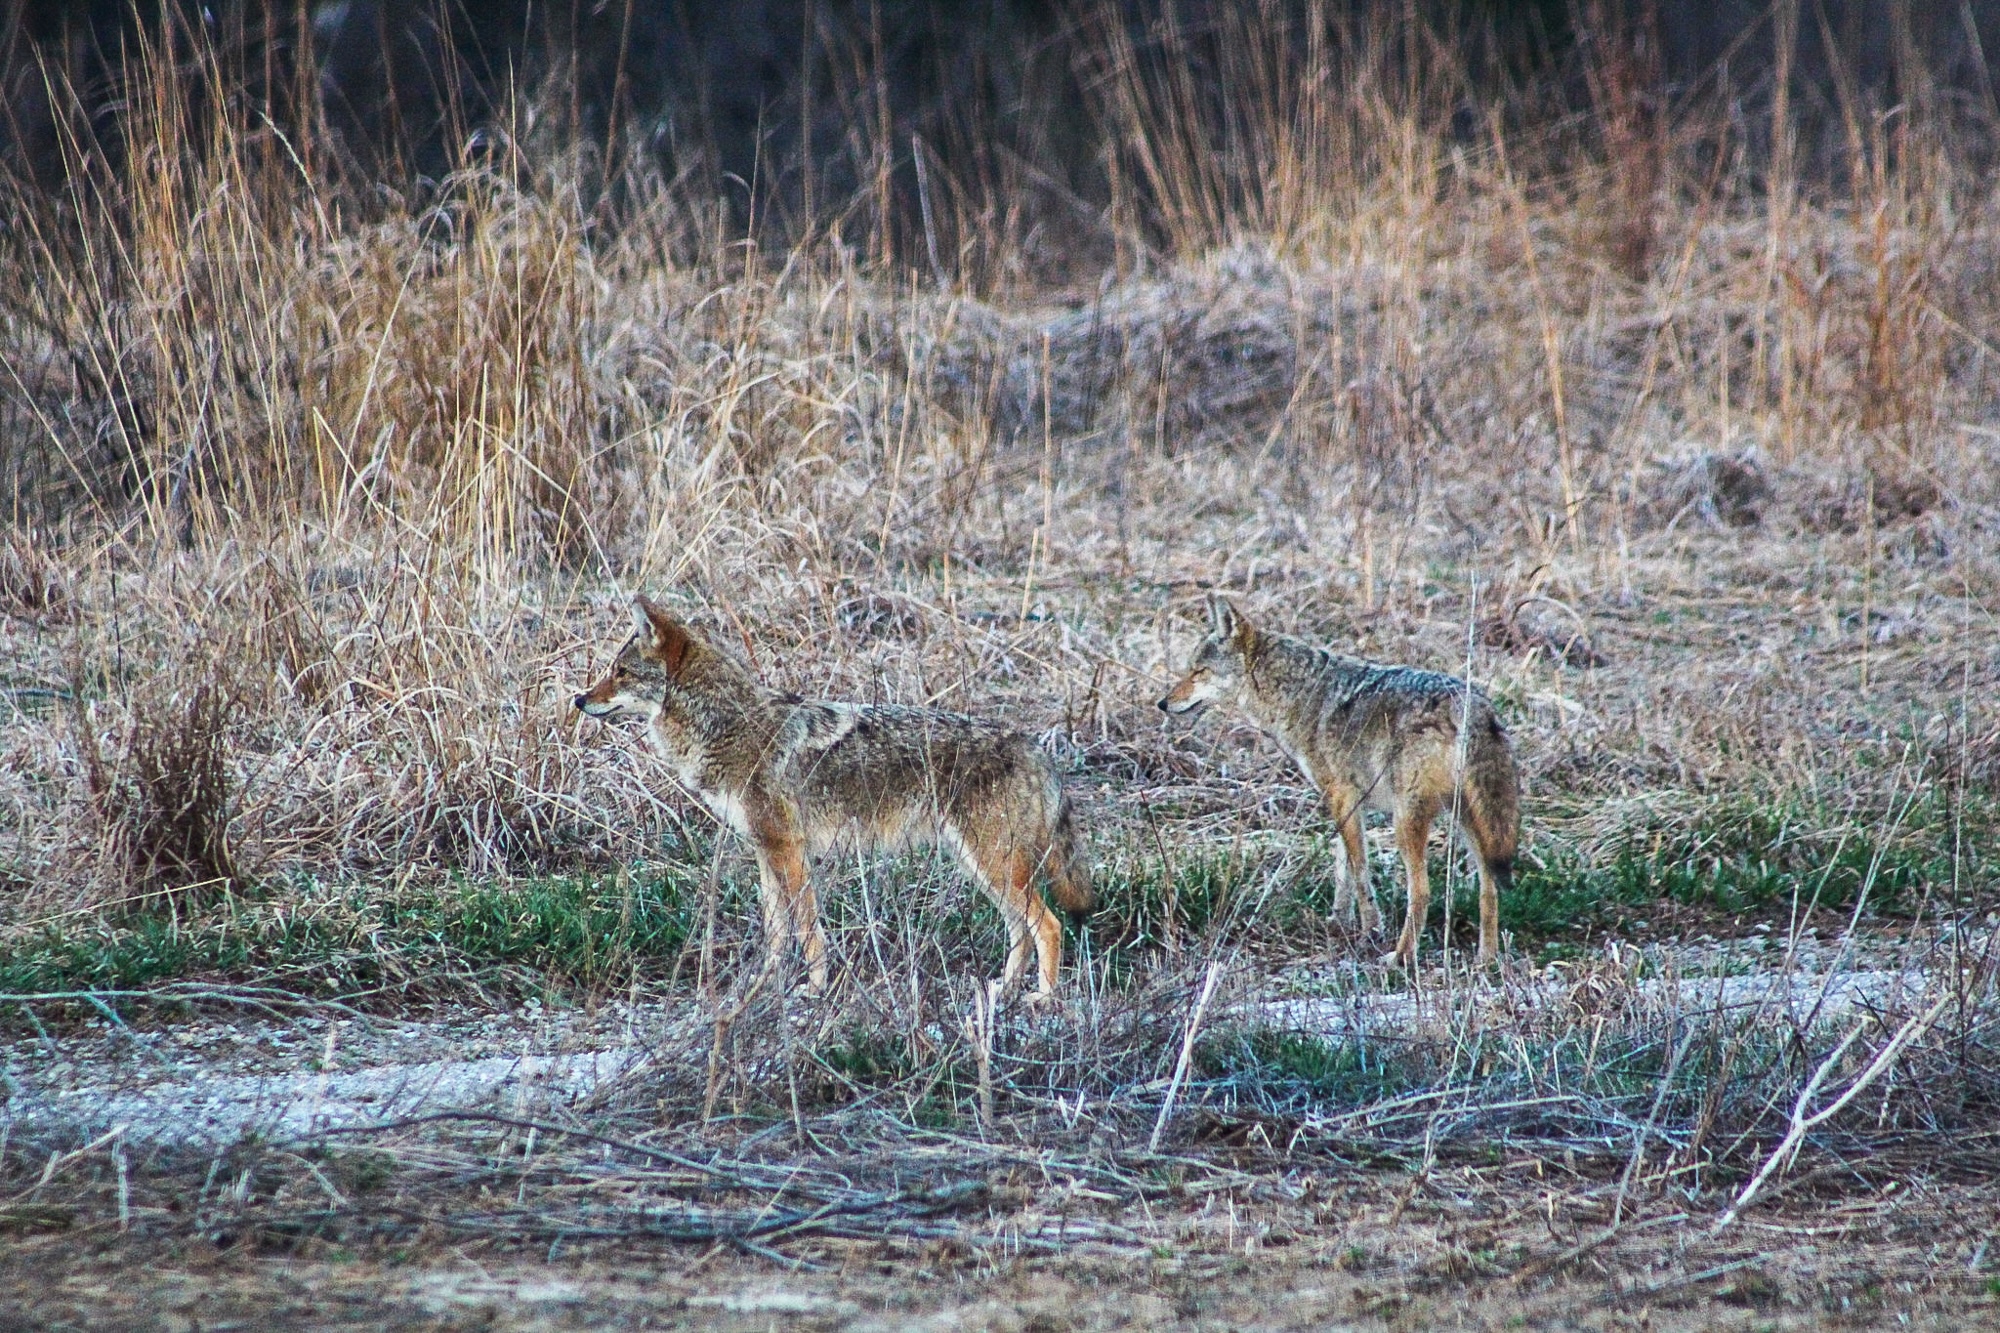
{"x": 795, "y": 777}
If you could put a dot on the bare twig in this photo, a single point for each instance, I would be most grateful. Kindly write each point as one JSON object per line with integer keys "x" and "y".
{"x": 1188, "y": 1035}
{"x": 1803, "y": 1124}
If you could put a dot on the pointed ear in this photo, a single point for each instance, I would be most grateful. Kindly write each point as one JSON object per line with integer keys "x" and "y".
{"x": 1223, "y": 619}
{"x": 670, "y": 638}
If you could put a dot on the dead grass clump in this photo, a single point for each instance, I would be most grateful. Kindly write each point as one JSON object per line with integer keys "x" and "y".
{"x": 34, "y": 583}
{"x": 750, "y": 384}
{"x": 1727, "y": 490}
{"x": 1208, "y": 350}
{"x": 1963, "y": 752}
{"x": 166, "y": 799}
{"x": 1544, "y": 625}
{"x": 431, "y": 744}
{"x": 1847, "y": 501}
{"x": 292, "y": 635}
{"x": 474, "y": 785}
{"x": 447, "y": 380}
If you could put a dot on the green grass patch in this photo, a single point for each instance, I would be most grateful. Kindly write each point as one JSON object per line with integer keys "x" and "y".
{"x": 542, "y": 934}
{"x": 1286, "y": 1067}
{"x": 1737, "y": 857}
{"x": 1746, "y": 857}
{"x": 1619, "y": 1071}
{"x": 1142, "y": 900}
{"x": 862, "y": 1060}
{"x": 869, "y": 1057}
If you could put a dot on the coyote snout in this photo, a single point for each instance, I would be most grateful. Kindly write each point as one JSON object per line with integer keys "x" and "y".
{"x": 1415, "y": 743}
{"x": 596, "y": 702}
{"x": 1209, "y": 677}
{"x": 795, "y": 777}
{"x": 1189, "y": 696}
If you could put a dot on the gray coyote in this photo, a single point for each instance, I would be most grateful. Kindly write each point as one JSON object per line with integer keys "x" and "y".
{"x": 1394, "y": 738}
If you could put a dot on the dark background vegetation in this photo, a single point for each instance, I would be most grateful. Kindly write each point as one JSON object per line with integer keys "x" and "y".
{"x": 866, "y": 115}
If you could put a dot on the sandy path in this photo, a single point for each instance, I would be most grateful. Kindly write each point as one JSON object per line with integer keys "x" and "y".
{"x": 211, "y": 1082}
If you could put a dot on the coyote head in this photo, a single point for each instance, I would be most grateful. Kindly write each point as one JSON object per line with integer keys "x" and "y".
{"x": 1217, "y": 671}
{"x": 637, "y": 684}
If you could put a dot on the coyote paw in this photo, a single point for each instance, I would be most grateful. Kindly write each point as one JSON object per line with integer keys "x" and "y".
{"x": 1001, "y": 991}
{"x": 1368, "y": 922}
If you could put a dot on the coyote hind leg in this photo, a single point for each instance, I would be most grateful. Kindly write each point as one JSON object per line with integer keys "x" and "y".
{"x": 1489, "y": 914}
{"x": 1490, "y": 830}
{"x": 1008, "y": 877}
{"x": 1496, "y": 876}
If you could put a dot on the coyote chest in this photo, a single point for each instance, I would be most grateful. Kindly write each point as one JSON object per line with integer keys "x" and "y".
{"x": 688, "y": 754}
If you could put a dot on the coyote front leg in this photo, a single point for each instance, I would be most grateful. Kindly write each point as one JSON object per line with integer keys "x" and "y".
{"x": 791, "y": 909}
{"x": 1343, "y": 803}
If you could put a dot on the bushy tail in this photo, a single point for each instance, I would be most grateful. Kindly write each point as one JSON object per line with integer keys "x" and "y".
{"x": 1491, "y": 791}
{"x": 1069, "y": 873}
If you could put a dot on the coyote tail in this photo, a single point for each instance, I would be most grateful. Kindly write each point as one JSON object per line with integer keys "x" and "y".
{"x": 1493, "y": 794}
{"x": 1068, "y": 872}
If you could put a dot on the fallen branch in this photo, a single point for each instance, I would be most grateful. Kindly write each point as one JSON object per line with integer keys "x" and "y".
{"x": 1535, "y": 1268}
{"x": 1188, "y": 1036}
{"x": 725, "y": 1171}
{"x": 271, "y": 1000}
{"x": 1802, "y": 1124}
{"x": 1646, "y": 1291}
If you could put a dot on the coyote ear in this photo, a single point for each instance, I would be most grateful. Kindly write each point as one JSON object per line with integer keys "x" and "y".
{"x": 669, "y": 637}
{"x": 1223, "y": 618}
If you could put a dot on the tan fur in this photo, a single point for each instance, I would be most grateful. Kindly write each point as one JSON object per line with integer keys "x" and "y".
{"x": 796, "y": 777}
{"x": 1414, "y": 743}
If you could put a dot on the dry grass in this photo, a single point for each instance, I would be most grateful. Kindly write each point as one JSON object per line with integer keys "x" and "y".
{"x": 322, "y": 516}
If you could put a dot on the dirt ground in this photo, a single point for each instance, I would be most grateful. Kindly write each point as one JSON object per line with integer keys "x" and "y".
{"x": 1256, "y": 1233}
{"x": 1381, "y": 1254}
